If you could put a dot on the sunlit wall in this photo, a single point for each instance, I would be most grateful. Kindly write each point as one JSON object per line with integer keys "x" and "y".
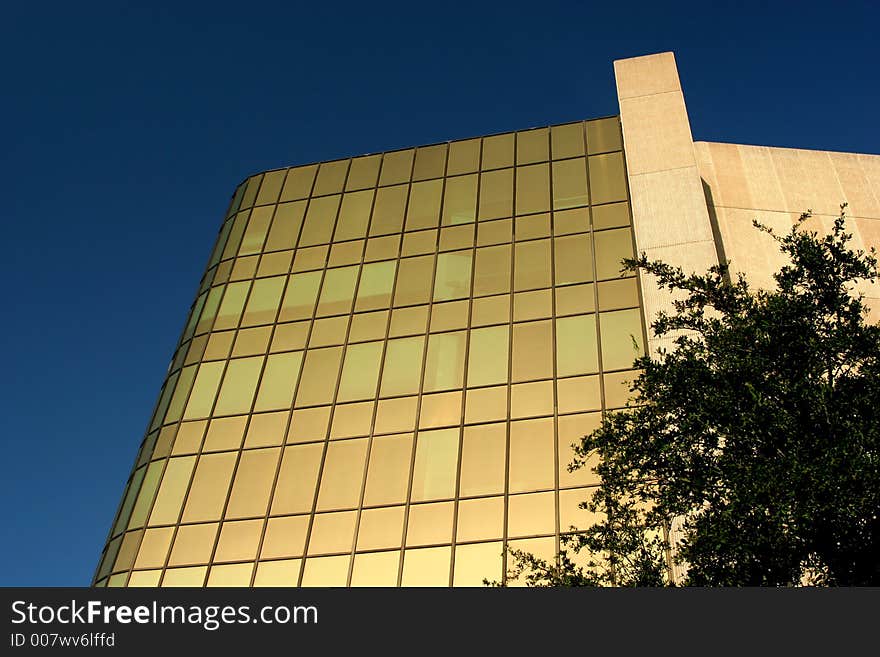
{"x": 385, "y": 367}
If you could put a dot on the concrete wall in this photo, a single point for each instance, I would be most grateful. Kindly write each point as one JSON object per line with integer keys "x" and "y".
{"x": 775, "y": 186}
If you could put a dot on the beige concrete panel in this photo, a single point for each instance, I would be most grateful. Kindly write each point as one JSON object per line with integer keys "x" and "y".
{"x": 694, "y": 257}
{"x": 868, "y": 230}
{"x": 730, "y": 186}
{"x": 793, "y": 178}
{"x": 650, "y": 74}
{"x": 765, "y": 191}
{"x": 705, "y": 165}
{"x": 750, "y": 251}
{"x": 669, "y": 208}
{"x": 656, "y": 132}
{"x": 871, "y": 168}
{"x": 862, "y": 199}
{"x": 821, "y": 180}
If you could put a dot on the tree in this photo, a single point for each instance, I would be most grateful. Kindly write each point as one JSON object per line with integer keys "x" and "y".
{"x": 751, "y": 452}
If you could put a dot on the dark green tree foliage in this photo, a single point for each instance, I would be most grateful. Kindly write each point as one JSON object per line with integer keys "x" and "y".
{"x": 757, "y": 437}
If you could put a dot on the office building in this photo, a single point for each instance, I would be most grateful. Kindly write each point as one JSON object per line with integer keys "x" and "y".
{"x": 389, "y": 356}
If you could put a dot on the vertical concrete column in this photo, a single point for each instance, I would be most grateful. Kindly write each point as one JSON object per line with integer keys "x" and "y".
{"x": 670, "y": 217}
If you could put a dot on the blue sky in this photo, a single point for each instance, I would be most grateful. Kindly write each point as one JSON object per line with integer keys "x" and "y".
{"x": 126, "y": 127}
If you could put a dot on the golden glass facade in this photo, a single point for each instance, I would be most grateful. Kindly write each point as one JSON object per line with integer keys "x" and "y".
{"x": 385, "y": 366}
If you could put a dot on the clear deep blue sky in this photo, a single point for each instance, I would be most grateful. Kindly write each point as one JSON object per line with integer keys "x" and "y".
{"x": 126, "y": 128}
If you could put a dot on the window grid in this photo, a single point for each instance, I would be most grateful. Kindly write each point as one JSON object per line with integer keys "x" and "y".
{"x": 242, "y": 253}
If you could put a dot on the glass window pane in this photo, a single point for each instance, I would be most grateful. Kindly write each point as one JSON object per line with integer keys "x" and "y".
{"x": 604, "y": 135}
{"x": 207, "y": 494}
{"x": 607, "y": 178}
{"x": 239, "y": 384}
{"x": 483, "y": 457}
{"x": 169, "y": 499}
{"x": 532, "y": 189}
{"x": 449, "y": 316}
{"x": 326, "y": 571}
{"x": 343, "y": 474}
{"x": 414, "y": 281}
{"x": 440, "y": 410}
{"x": 496, "y": 194}
{"x": 257, "y": 227}
{"x": 532, "y": 146}
{"x": 297, "y": 479}
{"x": 621, "y": 338}
{"x": 492, "y": 270}
{"x": 388, "y": 211}
{"x": 235, "y": 233}
{"x": 376, "y": 569}
{"x": 574, "y": 259}
{"x": 193, "y": 544}
{"x": 364, "y": 172}
{"x": 532, "y": 351}
{"x": 299, "y": 183}
{"x": 388, "y": 474}
{"x": 536, "y": 304}
{"x": 480, "y": 519}
{"x": 320, "y": 372}
{"x": 576, "y": 349}
{"x": 576, "y": 220}
{"x": 350, "y": 420}
{"x": 531, "y": 399}
{"x": 424, "y": 205}
{"x": 435, "y": 465}
{"x": 430, "y": 524}
{"x": 580, "y": 393}
{"x": 572, "y": 428}
{"x": 532, "y": 458}
{"x": 495, "y": 232}
{"x": 332, "y": 532}
{"x": 460, "y": 200}
{"x": 381, "y": 528}
{"x": 238, "y": 542}
{"x": 497, "y": 151}
{"x": 320, "y": 219}
{"x": 396, "y": 167}
{"x": 253, "y": 483}
{"x": 484, "y": 404}
{"x": 488, "y": 355}
{"x": 426, "y": 566}
{"x": 403, "y": 366}
{"x": 622, "y": 293}
{"x": 204, "y": 390}
{"x": 278, "y": 573}
{"x": 569, "y": 183}
{"x": 530, "y": 515}
{"x": 377, "y": 281}
{"x": 567, "y": 140}
{"x": 490, "y": 310}
{"x": 395, "y": 415}
{"x": 354, "y": 215}
{"x": 430, "y": 162}
{"x": 368, "y": 326}
{"x": 279, "y": 381}
{"x": 181, "y": 384}
{"x": 285, "y": 537}
{"x": 532, "y": 265}
{"x": 331, "y": 176}
{"x": 475, "y": 564}
{"x": 232, "y": 305}
{"x": 224, "y": 434}
{"x": 444, "y": 366}
{"x": 360, "y": 372}
{"x": 612, "y": 246}
{"x": 337, "y": 292}
{"x": 309, "y": 424}
{"x": 300, "y": 296}
{"x": 464, "y": 156}
{"x": 262, "y": 305}
{"x": 611, "y": 216}
{"x": 453, "y": 277}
